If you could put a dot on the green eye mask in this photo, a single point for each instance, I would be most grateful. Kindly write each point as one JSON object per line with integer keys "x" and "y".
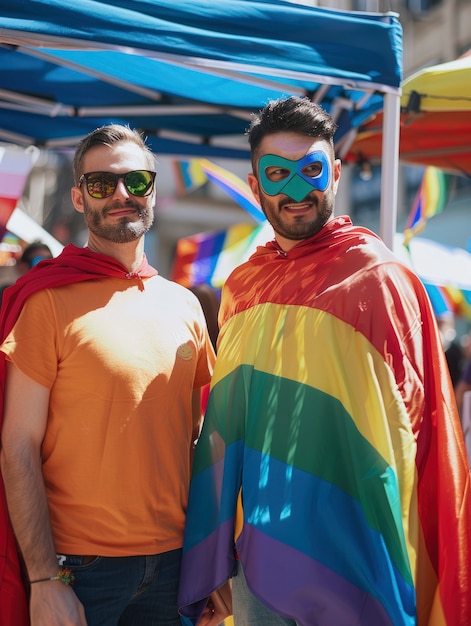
{"x": 296, "y": 185}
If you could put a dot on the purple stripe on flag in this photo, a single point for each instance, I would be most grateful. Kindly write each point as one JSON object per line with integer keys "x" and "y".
{"x": 199, "y": 582}
{"x": 312, "y": 593}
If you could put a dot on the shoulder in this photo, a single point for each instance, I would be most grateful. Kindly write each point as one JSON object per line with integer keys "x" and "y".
{"x": 163, "y": 284}
{"x": 168, "y": 291}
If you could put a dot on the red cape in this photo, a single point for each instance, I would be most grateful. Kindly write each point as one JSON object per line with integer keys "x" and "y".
{"x": 72, "y": 265}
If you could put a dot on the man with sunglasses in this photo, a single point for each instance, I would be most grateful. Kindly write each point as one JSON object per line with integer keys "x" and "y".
{"x": 330, "y": 480}
{"x": 104, "y": 364}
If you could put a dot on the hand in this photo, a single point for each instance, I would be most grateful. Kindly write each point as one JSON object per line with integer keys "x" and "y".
{"x": 55, "y": 604}
{"x": 218, "y": 607}
{"x": 211, "y": 617}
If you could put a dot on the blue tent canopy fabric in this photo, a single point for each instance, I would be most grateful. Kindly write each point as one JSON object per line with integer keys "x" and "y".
{"x": 189, "y": 74}
{"x": 275, "y": 35}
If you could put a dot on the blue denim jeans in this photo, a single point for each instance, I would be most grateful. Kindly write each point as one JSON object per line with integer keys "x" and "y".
{"x": 248, "y": 610}
{"x": 128, "y": 591}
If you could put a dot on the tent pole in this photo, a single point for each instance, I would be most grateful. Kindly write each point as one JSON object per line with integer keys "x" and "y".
{"x": 390, "y": 168}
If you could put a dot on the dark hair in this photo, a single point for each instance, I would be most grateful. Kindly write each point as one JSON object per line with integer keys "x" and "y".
{"x": 31, "y": 251}
{"x": 209, "y": 300}
{"x": 295, "y": 114}
{"x": 109, "y": 135}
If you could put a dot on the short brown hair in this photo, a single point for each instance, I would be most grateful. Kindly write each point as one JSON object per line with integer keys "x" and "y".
{"x": 109, "y": 135}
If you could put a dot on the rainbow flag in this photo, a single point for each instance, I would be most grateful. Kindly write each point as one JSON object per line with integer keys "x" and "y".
{"x": 235, "y": 187}
{"x": 191, "y": 175}
{"x": 210, "y": 257}
{"x": 449, "y": 299}
{"x": 431, "y": 198}
{"x": 338, "y": 473}
{"x": 15, "y": 166}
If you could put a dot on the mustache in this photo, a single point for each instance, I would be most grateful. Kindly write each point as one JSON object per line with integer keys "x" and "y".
{"x": 311, "y": 197}
{"x": 128, "y": 204}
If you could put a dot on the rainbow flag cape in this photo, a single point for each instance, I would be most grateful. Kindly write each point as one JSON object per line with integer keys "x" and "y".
{"x": 332, "y": 461}
{"x": 431, "y": 198}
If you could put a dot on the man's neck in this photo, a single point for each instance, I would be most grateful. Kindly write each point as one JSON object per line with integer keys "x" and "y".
{"x": 129, "y": 254}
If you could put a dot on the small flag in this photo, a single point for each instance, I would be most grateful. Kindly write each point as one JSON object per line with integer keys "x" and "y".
{"x": 189, "y": 175}
{"x": 430, "y": 200}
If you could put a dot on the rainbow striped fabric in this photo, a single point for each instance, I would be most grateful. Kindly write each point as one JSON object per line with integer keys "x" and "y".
{"x": 331, "y": 455}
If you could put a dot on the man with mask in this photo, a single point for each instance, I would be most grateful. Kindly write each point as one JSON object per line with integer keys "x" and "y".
{"x": 330, "y": 480}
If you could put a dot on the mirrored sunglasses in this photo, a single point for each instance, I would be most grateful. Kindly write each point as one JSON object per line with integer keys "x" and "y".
{"x": 103, "y": 184}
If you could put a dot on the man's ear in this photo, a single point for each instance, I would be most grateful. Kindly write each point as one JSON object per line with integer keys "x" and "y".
{"x": 336, "y": 174}
{"x": 254, "y": 186}
{"x": 77, "y": 199}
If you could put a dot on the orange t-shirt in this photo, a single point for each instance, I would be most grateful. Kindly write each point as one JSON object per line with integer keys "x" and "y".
{"x": 121, "y": 359}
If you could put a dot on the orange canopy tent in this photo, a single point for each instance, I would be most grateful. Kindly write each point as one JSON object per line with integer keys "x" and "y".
{"x": 435, "y": 122}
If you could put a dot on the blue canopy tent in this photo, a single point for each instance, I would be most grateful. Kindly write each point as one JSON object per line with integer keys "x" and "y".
{"x": 189, "y": 74}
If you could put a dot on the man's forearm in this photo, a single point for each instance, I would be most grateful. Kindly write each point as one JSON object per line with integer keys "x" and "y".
{"x": 27, "y": 506}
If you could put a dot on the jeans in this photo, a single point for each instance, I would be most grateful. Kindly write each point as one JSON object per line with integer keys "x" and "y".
{"x": 128, "y": 591}
{"x": 248, "y": 611}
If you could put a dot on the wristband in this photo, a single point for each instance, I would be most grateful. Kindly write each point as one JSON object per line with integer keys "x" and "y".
{"x": 65, "y": 575}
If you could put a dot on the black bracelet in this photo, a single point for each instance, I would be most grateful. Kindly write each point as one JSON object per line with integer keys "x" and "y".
{"x": 64, "y": 575}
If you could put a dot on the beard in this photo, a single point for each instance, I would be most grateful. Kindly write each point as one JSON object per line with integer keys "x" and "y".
{"x": 127, "y": 229}
{"x": 299, "y": 229}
